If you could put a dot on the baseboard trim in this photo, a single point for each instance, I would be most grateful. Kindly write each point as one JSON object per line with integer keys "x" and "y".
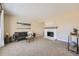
{"x": 63, "y": 40}
{"x": 58, "y": 40}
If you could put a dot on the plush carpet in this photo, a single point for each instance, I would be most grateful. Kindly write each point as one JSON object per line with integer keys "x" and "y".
{"x": 38, "y": 47}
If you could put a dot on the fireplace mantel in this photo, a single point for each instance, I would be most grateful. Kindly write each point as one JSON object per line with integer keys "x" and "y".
{"x": 51, "y": 27}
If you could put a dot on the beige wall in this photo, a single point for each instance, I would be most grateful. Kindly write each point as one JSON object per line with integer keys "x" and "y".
{"x": 38, "y": 28}
{"x": 11, "y": 26}
{"x": 66, "y": 23}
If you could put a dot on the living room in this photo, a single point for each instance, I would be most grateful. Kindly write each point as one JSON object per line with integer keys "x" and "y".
{"x": 58, "y": 20}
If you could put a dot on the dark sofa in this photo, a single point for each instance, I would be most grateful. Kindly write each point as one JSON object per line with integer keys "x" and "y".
{"x": 19, "y": 35}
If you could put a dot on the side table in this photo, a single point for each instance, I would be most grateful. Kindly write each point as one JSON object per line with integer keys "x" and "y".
{"x": 70, "y": 42}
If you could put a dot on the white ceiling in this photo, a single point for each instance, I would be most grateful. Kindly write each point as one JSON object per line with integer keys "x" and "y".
{"x": 38, "y": 10}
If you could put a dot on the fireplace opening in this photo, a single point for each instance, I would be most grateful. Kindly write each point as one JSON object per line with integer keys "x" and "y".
{"x": 51, "y": 34}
